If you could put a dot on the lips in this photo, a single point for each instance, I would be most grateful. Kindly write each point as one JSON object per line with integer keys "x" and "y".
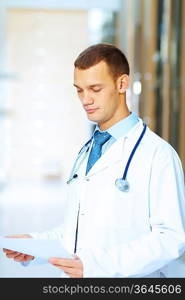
{"x": 91, "y": 110}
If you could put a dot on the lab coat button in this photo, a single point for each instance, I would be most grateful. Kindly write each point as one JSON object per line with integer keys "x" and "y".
{"x": 87, "y": 179}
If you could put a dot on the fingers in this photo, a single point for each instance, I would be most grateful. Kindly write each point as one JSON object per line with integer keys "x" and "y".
{"x": 72, "y": 272}
{"x": 17, "y": 256}
{"x": 23, "y": 257}
{"x": 28, "y": 257}
{"x": 20, "y": 257}
{"x": 19, "y": 236}
{"x": 12, "y": 236}
{"x": 7, "y": 250}
{"x": 64, "y": 262}
{"x": 12, "y": 254}
{"x": 72, "y": 267}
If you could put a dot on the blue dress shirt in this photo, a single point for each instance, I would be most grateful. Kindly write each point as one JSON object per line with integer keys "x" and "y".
{"x": 119, "y": 129}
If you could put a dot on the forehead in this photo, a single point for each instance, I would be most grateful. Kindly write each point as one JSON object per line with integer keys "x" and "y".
{"x": 99, "y": 72}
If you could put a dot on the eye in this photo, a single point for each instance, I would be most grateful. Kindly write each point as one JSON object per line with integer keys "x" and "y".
{"x": 79, "y": 91}
{"x": 96, "y": 90}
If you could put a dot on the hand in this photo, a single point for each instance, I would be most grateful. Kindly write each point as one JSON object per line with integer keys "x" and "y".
{"x": 17, "y": 256}
{"x": 72, "y": 267}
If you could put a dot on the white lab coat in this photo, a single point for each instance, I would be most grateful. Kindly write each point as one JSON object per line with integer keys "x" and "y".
{"x": 127, "y": 234}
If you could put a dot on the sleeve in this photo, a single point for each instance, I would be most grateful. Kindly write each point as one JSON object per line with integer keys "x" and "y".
{"x": 55, "y": 234}
{"x": 165, "y": 241}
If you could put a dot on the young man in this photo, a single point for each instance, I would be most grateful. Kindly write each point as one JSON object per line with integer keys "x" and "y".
{"x": 118, "y": 225}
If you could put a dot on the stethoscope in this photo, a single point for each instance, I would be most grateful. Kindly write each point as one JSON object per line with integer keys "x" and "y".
{"x": 121, "y": 183}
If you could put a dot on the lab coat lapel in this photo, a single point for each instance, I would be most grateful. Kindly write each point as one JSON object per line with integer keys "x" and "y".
{"x": 80, "y": 158}
{"x": 113, "y": 154}
{"x": 119, "y": 151}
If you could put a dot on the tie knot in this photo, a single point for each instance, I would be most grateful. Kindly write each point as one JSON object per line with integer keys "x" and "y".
{"x": 101, "y": 137}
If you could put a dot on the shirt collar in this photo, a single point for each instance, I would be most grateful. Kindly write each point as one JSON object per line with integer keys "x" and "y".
{"x": 122, "y": 127}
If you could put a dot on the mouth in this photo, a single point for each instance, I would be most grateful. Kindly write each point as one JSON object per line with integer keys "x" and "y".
{"x": 90, "y": 110}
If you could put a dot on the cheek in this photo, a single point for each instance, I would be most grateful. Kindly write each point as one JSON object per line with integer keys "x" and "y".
{"x": 105, "y": 97}
{"x": 109, "y": 100}
{"x": 106, "y": 100}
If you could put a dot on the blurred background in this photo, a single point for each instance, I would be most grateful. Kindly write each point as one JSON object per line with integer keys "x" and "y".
{"x": 42, "y": 124}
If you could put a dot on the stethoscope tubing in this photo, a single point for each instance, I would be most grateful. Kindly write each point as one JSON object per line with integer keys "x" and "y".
{"x": 133, "y": 152}
{"x": 121, "y": 180}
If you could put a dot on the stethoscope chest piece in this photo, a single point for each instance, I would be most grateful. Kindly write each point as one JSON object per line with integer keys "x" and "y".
{"x": 122, "y": 185}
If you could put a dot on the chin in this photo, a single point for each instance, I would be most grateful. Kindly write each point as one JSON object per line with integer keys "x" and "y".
{"x": 93, "y": 120}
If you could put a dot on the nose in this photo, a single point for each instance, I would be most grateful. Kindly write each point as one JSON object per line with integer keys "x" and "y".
{"x": 86, "y": 99}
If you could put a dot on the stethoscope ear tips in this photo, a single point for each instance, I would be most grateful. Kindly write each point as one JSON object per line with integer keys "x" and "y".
{"x": 122, "y": 185}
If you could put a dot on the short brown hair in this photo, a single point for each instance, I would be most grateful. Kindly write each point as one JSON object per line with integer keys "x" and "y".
{"x": 114, "y": 57}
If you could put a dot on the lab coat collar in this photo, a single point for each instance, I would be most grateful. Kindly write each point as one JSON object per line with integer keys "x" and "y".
{"x": 120, "y": 149}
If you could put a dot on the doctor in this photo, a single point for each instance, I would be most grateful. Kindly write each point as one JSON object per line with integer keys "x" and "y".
{"x": 125, "y": 207}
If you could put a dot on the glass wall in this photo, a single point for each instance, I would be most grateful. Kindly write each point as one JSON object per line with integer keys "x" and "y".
{"x": 155, "y": 44}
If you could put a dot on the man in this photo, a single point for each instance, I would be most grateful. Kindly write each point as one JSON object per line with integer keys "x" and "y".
{"x": 117, "y": 225}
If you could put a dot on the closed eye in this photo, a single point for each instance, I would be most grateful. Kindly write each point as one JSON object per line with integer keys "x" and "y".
{"x": 96, "y": 90}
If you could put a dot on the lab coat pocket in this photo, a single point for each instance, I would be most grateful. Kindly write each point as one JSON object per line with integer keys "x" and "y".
{"x": 123, "y": 209}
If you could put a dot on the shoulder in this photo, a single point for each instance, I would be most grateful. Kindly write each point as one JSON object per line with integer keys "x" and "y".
{"x": 153, "y": 140}
{"x": 158, "y": 142}
{"x": 161, "y": 148}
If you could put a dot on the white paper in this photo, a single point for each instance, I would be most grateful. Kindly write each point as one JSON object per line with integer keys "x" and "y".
{"x": 36, "y": 247}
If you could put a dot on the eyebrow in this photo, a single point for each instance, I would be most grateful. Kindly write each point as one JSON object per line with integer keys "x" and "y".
{"x": 90, "y": 86}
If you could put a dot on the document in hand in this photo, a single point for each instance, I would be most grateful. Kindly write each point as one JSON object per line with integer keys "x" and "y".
{"x": 36, "y": 247}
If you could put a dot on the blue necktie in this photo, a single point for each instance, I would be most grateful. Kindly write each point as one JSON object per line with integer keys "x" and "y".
{"x": 99, "y": 139}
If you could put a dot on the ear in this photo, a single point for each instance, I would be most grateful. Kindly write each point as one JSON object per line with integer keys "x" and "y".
{"x": 123, "y": 83}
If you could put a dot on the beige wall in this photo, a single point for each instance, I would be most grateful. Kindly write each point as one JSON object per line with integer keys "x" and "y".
{"x": 48, "y": 125}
